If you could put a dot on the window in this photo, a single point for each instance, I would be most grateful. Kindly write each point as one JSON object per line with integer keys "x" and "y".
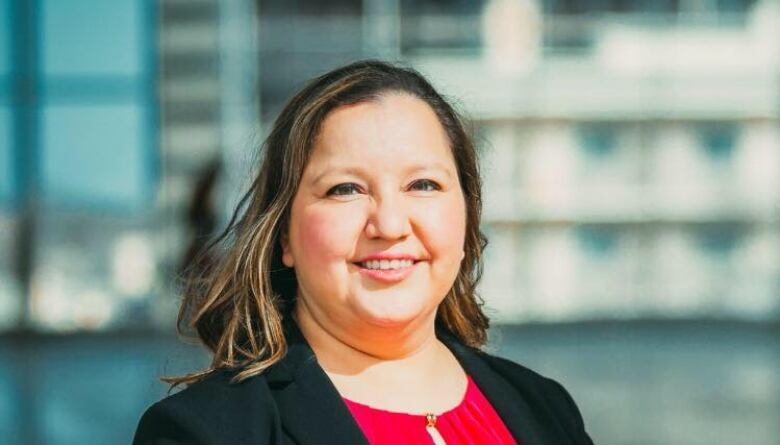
{"x": 718, "y": 139}
{"x": 597, "y": 140}
{"x": 597, "y": 241}
{"x": 720, "y": 239}
{"x": 103, "y": 141}
{"x": 84, "y": 37}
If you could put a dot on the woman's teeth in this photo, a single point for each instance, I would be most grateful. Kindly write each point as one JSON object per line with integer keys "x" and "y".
{"x": 387, "y": 264}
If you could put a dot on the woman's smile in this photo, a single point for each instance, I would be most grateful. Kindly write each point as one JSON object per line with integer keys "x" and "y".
{"x": 387, "y": 271}
{"x": 387, "y": 267}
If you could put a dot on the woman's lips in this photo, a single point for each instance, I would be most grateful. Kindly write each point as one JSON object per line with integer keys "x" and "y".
{"x": 387, "y": 275}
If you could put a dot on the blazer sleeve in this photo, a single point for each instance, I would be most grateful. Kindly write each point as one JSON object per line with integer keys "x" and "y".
{"x": 574, "y": 418}
{"x": 212, "y": 411}
{"x": 164, "y": 424}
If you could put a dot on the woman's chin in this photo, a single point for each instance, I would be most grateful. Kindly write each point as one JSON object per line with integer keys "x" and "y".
{"x": 390, "y": 316}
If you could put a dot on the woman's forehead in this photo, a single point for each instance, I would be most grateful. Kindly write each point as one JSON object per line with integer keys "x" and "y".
{"x": 395, "y": 121}
{"x": 393, "y": 129}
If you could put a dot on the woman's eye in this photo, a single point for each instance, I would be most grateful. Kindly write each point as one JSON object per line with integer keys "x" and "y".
{"x": 427, "y": 185}
{"x": 343, "y": 189}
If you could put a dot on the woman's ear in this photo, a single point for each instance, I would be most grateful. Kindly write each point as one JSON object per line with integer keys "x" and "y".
{"x": 287, "y": 257}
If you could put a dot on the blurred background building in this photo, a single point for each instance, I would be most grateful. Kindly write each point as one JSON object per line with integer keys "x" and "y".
{"x": 630, "y": 152}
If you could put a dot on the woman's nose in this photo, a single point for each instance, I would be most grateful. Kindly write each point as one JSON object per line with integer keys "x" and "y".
{"x": 388, "y": 219}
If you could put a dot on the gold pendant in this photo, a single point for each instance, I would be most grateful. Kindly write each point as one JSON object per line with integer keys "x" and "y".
{"x": 432, "y": 431}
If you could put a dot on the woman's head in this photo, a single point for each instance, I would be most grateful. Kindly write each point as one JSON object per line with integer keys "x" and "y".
{"x": 365, "y": 160}
{"x": 380, "y": 183}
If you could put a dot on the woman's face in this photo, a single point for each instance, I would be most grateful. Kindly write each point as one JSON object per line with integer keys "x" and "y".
{"x": 381, "y": 183}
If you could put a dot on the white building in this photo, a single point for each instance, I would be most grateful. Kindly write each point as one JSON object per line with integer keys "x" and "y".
{"x": 634, "y": 173}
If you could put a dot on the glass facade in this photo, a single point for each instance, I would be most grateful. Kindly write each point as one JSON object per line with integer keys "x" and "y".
{"x": 79, "y": 146}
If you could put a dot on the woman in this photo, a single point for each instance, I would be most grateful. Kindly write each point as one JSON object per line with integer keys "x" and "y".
{"x": 343, "y": 308}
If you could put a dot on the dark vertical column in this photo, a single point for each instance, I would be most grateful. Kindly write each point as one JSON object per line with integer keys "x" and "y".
{"x": 25, "y": 91}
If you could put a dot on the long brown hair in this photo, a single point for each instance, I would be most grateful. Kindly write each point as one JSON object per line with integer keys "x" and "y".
{"x": 236, "y": 300}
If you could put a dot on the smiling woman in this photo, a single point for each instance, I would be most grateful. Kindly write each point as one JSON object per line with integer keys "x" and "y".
{"x": 342, "y": 307}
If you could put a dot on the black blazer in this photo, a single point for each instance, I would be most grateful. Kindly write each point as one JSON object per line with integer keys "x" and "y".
{"x": 294, "y": 402}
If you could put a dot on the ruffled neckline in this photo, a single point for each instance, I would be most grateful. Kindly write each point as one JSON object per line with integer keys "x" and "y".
{"x": 470, "y": 388}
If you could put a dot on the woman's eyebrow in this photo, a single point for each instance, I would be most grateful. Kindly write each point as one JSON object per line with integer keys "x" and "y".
{"x": 432, "y": 166}
{"x": 359, "y": 171}
{"x": 349, "y": 170}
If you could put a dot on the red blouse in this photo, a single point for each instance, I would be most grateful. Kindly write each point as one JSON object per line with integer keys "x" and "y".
{"x": 472, "y": 422}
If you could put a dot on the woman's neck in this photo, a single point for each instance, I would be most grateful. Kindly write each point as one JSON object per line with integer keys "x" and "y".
{"x": 408, "y": 372}
{"x": 350, "y": 352}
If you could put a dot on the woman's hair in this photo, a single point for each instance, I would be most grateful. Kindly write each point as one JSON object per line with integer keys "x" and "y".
{"x": 237, "y": 297}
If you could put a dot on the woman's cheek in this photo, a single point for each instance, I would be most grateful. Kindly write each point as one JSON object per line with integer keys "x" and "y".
{"x": 445, "y": 227}
{"x": 328, "y": 234}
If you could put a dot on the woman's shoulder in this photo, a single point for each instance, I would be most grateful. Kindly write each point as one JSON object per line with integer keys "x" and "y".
{"x": 541, "y": 390}
{"x": 207, "y": 411}
{"x": 215, "y": 392}
{"x": 517, "y": 372}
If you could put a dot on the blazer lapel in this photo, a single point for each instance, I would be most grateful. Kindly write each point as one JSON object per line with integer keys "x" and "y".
{"x": 514, "y": 411}
{"x": 310, "y": 407}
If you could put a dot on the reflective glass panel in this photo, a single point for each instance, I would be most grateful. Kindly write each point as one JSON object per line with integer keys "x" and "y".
{"x": 95, "y": 155}
{"x": 94, "y": 38}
